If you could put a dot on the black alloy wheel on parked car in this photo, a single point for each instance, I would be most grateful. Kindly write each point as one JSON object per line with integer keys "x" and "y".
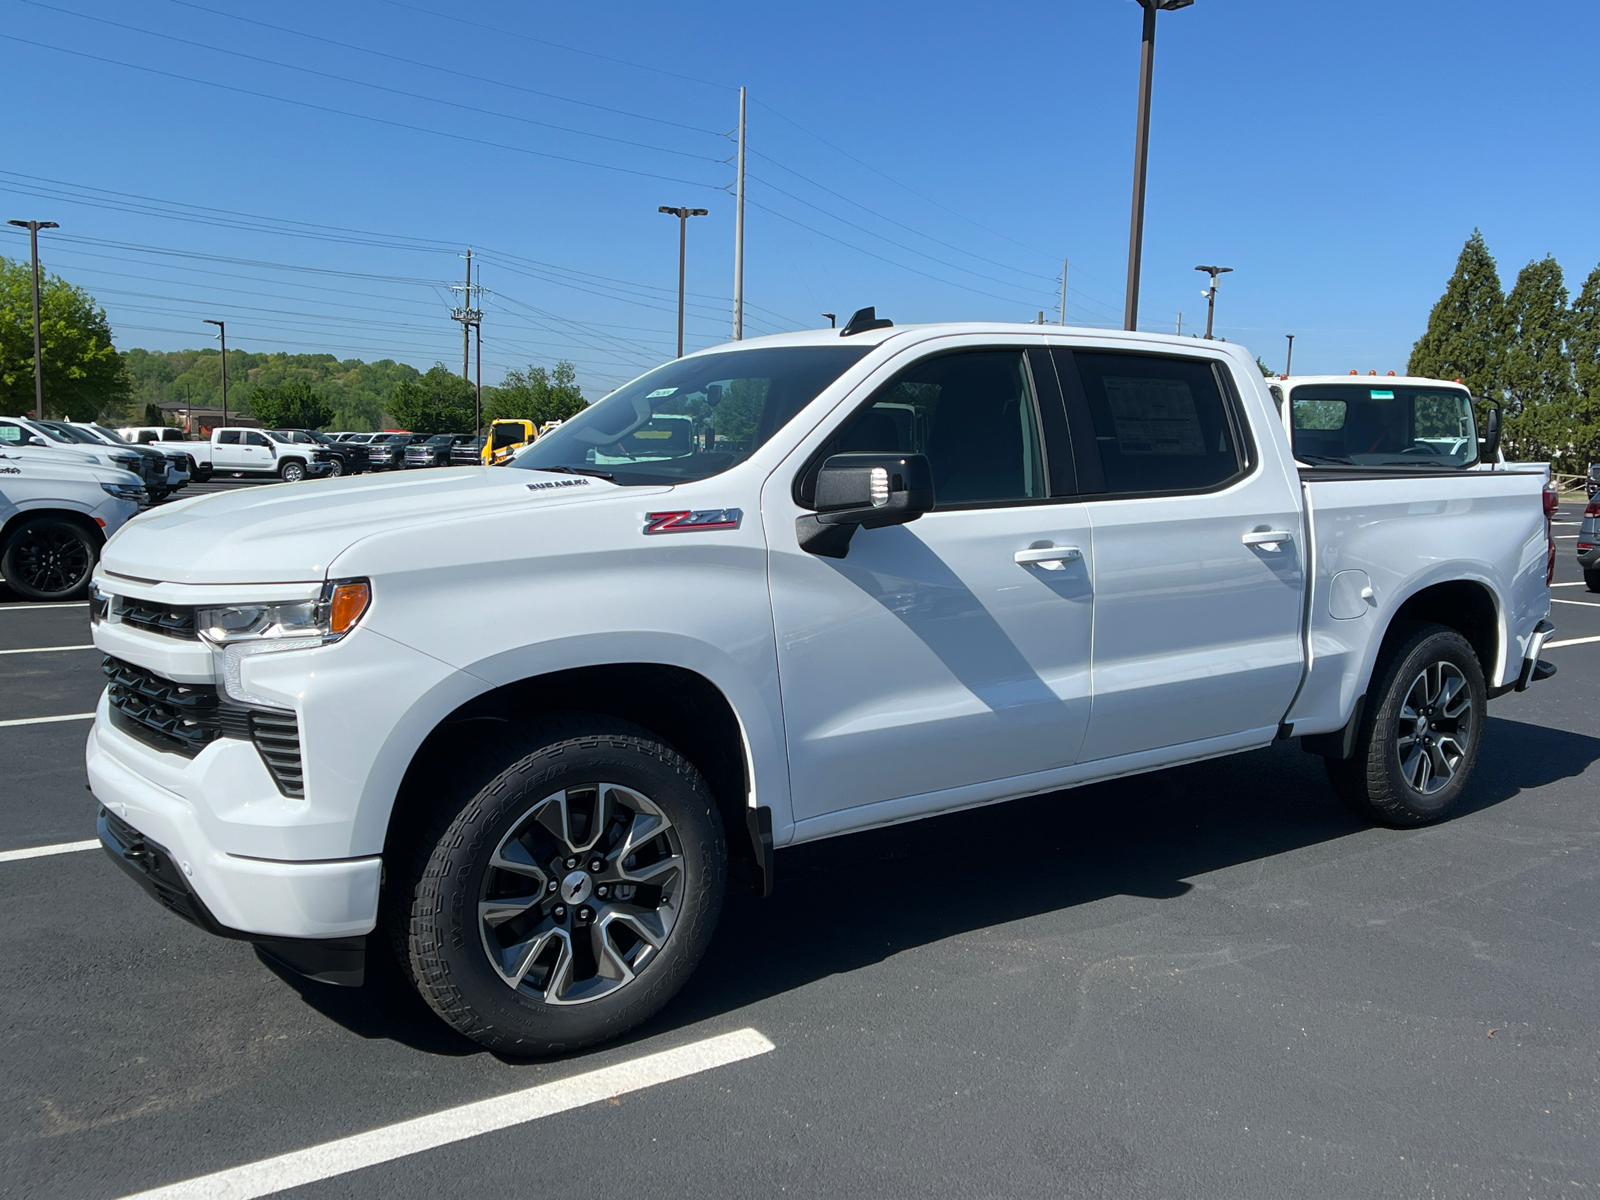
{"x": 49, "y": 558}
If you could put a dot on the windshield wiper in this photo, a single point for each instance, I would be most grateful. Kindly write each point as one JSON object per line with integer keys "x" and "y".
{"x": 606, "y": 475}
{"x": 1327, "y": 458}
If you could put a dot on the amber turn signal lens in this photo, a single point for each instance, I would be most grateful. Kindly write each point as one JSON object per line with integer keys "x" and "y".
{"x": 349, "y": 602}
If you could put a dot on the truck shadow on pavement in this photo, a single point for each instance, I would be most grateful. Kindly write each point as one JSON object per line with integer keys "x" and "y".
{"x": 848, "y": 902}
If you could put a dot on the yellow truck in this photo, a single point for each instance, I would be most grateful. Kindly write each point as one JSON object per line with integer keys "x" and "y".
{"x": 504, "y": 437}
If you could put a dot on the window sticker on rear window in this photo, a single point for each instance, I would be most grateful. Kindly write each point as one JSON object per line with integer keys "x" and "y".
{"x": 1376, "y": 394}
{"x": 1154, "y": 416}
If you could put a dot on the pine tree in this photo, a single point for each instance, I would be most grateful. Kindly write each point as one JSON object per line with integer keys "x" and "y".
{"x": 1583, "y": 339}
{"x": 1466, "y": 333}
{"x": 1540, "y": 396}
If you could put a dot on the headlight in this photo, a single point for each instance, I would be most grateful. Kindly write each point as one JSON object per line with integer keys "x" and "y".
{"x": 126, "y": 491}
{"x": 128, "y": 462}
{"x": 242, "y": 631}
{"x": 304, "y": 622}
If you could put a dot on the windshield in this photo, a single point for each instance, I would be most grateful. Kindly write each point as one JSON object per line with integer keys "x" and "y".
{"x": 67, "y": 433}
{"x": 111, "y": 435}
{"x": 692, "y": 418}
{"x": 1395, "y": 425}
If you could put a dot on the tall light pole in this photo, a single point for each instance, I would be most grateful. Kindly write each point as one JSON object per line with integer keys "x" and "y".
{"x": 683, "y": 215}
{"x": 33, "y": 228}
{"x": 1210, "y": 294}
{"x": 222, "y": 332}
{"x": 1290, "y": 363}
{"x": 1141, "y": 149}
{"x": 738, "y": 236}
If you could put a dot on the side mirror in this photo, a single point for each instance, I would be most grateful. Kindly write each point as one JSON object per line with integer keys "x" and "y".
{"x": 35, "y": 440}
{"x": 871, "y": 490}
{"x": 1491, "y": 436}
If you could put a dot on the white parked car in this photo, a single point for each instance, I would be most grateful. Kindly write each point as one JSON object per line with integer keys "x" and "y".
{"x": 57, "y": 508}
{"x": 258, "y": 452}
{"x": 180, "y": 464}
{"x": 150, "y": 468}
{"x": 768, "y": 593}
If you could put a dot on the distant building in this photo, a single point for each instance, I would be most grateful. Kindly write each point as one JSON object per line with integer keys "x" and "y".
{"x": 199, "y": 421}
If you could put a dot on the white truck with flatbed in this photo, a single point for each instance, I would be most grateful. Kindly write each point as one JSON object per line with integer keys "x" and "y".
{"x": 520, "y": 724}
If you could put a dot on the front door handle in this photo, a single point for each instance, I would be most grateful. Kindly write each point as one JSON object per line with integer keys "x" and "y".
{"x": 1269, "y": 539}
{"x": 1051, "y": 558}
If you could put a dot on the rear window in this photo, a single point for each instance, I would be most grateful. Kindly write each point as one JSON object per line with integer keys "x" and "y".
{"x": 1394, "y": 425}
{"x": 694, "y": 417}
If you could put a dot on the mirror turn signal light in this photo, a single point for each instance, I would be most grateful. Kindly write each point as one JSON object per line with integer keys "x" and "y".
{"x": 350, "y": 600}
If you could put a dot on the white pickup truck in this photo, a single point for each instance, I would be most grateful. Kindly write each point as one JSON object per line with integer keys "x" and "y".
{"x": 254, "y": 452}
{"x": 522, "y": 723}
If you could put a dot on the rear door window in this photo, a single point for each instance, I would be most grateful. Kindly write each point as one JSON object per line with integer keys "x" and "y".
{"x": 1156, "y": 424}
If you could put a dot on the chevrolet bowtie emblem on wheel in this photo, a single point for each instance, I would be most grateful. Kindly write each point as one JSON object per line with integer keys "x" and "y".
{"x": 693, "y": 522}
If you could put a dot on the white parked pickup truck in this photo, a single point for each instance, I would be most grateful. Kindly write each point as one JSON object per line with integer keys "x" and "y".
{"x": 521, "y": 723}
{"x": 257, "y": 452}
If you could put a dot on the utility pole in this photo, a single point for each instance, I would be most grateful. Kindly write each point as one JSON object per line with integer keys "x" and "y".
{"x": 1063, "y": 291}
{"x": 1210, "y": 294}
{"x": 738, "y": 238}
{"x": 33, "y": 228}
{"x": 1041, "y": 317}
{"x": 1290, "y": 363}
{"x": 471, "y": 319}
{"x": 222, "y": 332}
{"x": 683, "y": 215}
{"x": 1180, "y": 324}
{"x": 1141, "y": 153}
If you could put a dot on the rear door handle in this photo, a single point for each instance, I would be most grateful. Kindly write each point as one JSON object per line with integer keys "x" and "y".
{"x": 1051, "y": 558}
{"x": 1269, "y": 538}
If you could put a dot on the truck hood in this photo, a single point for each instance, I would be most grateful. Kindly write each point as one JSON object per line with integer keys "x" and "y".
{"x": 289, "y": 533}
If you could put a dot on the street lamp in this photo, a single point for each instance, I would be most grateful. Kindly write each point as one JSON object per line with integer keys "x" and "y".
{"x": 833, "y": 320}
{"x": 1141, "y": 152}
{"x": 683, "y": 215}
{"x": 1288, "y": 366}
{"x": 1210, "y": 294}
{"x": 33, "y": 228}
{"x": 222, "y": 332}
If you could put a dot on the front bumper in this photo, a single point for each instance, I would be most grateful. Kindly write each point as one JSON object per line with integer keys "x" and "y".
{"x": 340, "y": 960}
{"x": 251, "y": 897}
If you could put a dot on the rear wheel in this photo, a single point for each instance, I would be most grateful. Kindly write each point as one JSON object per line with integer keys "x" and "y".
{"x": 292, "y": 471}
{"x": 570, "y": 898}
{"x": 49, "y": 558}
{"x": 1421, "y": 733}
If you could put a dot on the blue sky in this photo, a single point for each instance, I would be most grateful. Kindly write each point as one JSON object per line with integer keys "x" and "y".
{"x": 937, "y": 160}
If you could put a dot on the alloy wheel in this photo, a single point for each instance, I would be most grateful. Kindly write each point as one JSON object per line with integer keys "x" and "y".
{"x": 581, "y": 894}
{"x": 1436, "y": 727}
{"x": 52, "y": 561}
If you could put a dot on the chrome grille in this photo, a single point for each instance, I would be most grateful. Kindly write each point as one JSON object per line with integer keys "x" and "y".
{"x": 172, "y": 620}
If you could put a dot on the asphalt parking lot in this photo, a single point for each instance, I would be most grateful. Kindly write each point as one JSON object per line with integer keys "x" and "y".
{"x": 1210, "y": 981}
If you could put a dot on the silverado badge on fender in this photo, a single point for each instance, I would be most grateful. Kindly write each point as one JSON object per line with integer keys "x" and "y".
{"x": 691, "y": 522}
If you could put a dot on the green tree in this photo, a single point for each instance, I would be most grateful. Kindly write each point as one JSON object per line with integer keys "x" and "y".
{"x": 1466, "y": 334}
{"x": 84, "y": 378}
{"x": 438, "y": 402}
{"x": 1263, "y": 368}
{"x": 290, "y": 405}
{"x": 537, "y": 395}
{"x": 1583, "y": 339}
{"x": 1540, "y": 396}
{"x": 153, "y": 415}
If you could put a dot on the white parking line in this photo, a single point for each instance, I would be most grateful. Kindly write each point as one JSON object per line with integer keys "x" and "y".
{"x": 47, "y": 720}
{"x": 1584, "y": 641}
{"x": 64, "y": 604}
{"x": 343, "y": 1155}
{"x": 47, "y": 851}
{"x": 1579, "y": 603}
{"x": 1579, "y": 583}
{"x": 47, "y": 649}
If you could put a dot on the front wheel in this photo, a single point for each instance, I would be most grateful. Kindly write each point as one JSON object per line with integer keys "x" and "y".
{"x": 1591, "y": 580}
{"x": 1421, "y": 733}
{"x": 292, "y": 471}
{"x": 335, "y": 468}
{"x": 48, "y": 559}
{"x": 201, "y": 474}
{"x": 570, "y": 898}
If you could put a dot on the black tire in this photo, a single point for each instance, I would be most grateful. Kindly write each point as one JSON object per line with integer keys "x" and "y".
{"x": 292, "y": 471}
{"x": 201, "y": 474}
{"x": 335, "y": 468}
{"x": 434, "y": 897}
{"x": 1591, "y": 580}
{"x": 49, "y": 558}
{"x": 1376, "y": 781}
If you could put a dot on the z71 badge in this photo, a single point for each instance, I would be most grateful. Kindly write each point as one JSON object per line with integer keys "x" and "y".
{"x": 693, "y": 522}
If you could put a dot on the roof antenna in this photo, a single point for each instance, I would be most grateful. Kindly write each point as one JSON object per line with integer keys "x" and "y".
{"x": 864, "y": 319}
